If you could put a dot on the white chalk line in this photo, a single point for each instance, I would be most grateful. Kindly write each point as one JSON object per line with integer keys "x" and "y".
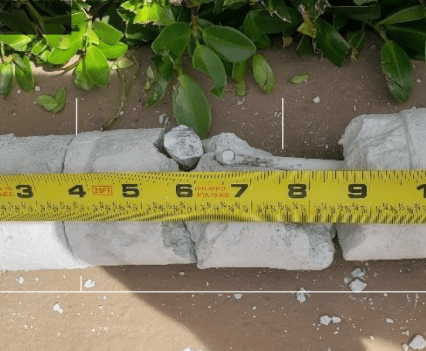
{"x": 208, "y": 292}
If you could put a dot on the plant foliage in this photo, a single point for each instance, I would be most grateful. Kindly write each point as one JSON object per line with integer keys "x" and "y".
{"x": 221, "y": 38}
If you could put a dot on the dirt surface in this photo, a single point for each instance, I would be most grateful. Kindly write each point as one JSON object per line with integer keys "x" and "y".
{"x": 113, "y": 316}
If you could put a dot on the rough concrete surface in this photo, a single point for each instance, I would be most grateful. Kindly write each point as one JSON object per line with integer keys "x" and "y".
{"x": 395, "y": 141}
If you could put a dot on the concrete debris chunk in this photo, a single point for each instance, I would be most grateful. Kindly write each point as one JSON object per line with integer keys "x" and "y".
{"x": 88, "y": 284}
{"x": 302, "y": 295}
{"x": 358, "y": 273}
{"x": 325, "y": 320}
{"x": 238, "y": 296}
{"x": 336, "y": 319}
{"x": 405, "y": 347}
{"x": 347, "y": 280}
{"x": 357, "y": 285}
{"x": 389, "y": 321}
{"x": 380, "y": 142}
{"x": 56, "y": 307}
{"x": 184, "y": 146}
{"x": 418, "y": 343}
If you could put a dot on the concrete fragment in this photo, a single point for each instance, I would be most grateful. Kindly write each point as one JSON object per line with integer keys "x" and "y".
{"x": 184, "y": 146}
{"x": 119, "y": 243}
{"x": 238, "y": 296}
{"x": 336, "y": 320}
{"x": 34, "y": 245}
{"x": 358, "y": 273}
{"x": 325, "y": 320}
{"x": 418, "y": 343}
{"x": 357, "y": 285}
{"x": 389, "y": 321}
{"x": 393, "y": 141}
{"x": 256, "y": 244}
{"x": 302, "y": 295}
{"x": 405, "y": 347}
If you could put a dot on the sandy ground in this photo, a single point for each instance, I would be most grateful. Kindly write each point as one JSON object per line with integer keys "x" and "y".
{"x": 113, "y": 316}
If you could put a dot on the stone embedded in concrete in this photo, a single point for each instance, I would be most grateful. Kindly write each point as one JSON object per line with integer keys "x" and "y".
{"x": 254, "y": 244}
{"x": 395, "y": 141}
{"x": 116, "y": 243}
{"x": 184, "y": 146}
{"x": 34, "y": 245}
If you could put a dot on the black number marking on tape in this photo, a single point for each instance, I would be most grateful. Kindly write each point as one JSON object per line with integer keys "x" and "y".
{"x": 420, "y": 187}
{"x": 130, "y": 190}
{"x": 297, "y": 191}
{"x": 77, "y": 190}
{"x": 27, "y": 191}
{"x": 357, "y": 191}
{"x": 184, "y": 190}
{"x": 243, "y": 188}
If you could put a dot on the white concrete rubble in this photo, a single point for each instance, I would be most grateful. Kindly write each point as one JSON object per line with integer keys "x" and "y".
{"x": 256, "y": 244}
{"x": 184, "y": 146}
{"x": 34, "y": 245}
{"x": 395, "y": 141}
{"x": 418, "y": 343}
{"x": 118, "y": 243}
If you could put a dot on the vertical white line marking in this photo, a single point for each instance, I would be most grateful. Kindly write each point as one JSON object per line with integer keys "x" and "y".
{"x": 76, "y": 116}
{"x": 81, "y": 283}
{"x": 282, "y": 123}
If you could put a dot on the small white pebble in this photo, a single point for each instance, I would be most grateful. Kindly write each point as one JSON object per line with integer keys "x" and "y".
{"x": 389, "y": 321}
{"x": 121, "y": 113}
{"x": 37, "y": 279}
{"x": 316, "y": 99}
{"x": 405, "y": 347}
{"x": 358, "y": 273}
{"x": 325, "y": 320}
{"x": 302, "y": 295}
{"x": 238, "y": 296}
{"x": 407, "y": 333}
{"x": 162, "y": 118}
{"x": 58, "y": 308}
{"x": 418, "y": 80}
{"x": 19, "y": 91}
{"x": 20, "y": 280}
{"x": 347, "y": 280}
{"x": 336, "y": 319}
{"x": 88, "y": 284}
{"x": 37, "y": 88}
{"x": 181, "y": 273}
{"x": 371, "y": 337}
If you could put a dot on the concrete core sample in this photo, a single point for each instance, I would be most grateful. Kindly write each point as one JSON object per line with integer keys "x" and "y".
{"x": 254, "y": 244}
{"x": 34, "y": 245}
{"x": 117, "y": 243}
{"x": 395, "y": 141}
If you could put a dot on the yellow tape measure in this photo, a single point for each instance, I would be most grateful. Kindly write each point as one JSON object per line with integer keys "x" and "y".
{"x": 266, "y": 196}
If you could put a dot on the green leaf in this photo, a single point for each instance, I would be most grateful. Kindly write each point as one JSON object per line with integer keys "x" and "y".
{"x": 16, "y": 41}
{"x": 20, "y": 62}
{"x": 277, "y": 7}
{"x": 53, "y": 40}
{"x": 107, "y": 33}
{"x": 331, "y": 42}
{"x": 304, "y": 48}
{"x": 47, "y": 101}
{"x": 266, "y": 23}
{"x": 174, "y": 38}
{"x": 59, "y": 57}
{"x": 190, "y": 106}
{"x": 82, "y": 80}
{"x": 208, "y": 62}
{"x": 356, "y": 42}
{"x": 409, "y": 35}
{"x": 396, "y": 65}
{"x": 7, "y": 19}
{"x": 39, "y": 47}
{"x": 413, "y": 13}
{"x": 20, "y": 17}
{"x": 239, "y": 74}
{"x": 158, "y": 81}
{"x": 363, "y": 2}
{"x": 112, "y": 51}
{"x": 97, "y": 67}
{"x": 6, "y": 76}
{"x": 218, "y": 6}
{"x": 263, "y": 74}
{"x": 230, "y": 44}
{"x": 154, "y": 12}
{"x": 357, "y": 13}
{"x": 25, "y": 78}
{"x": 299, "y": 79}
{"x": 61, "y": 99}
